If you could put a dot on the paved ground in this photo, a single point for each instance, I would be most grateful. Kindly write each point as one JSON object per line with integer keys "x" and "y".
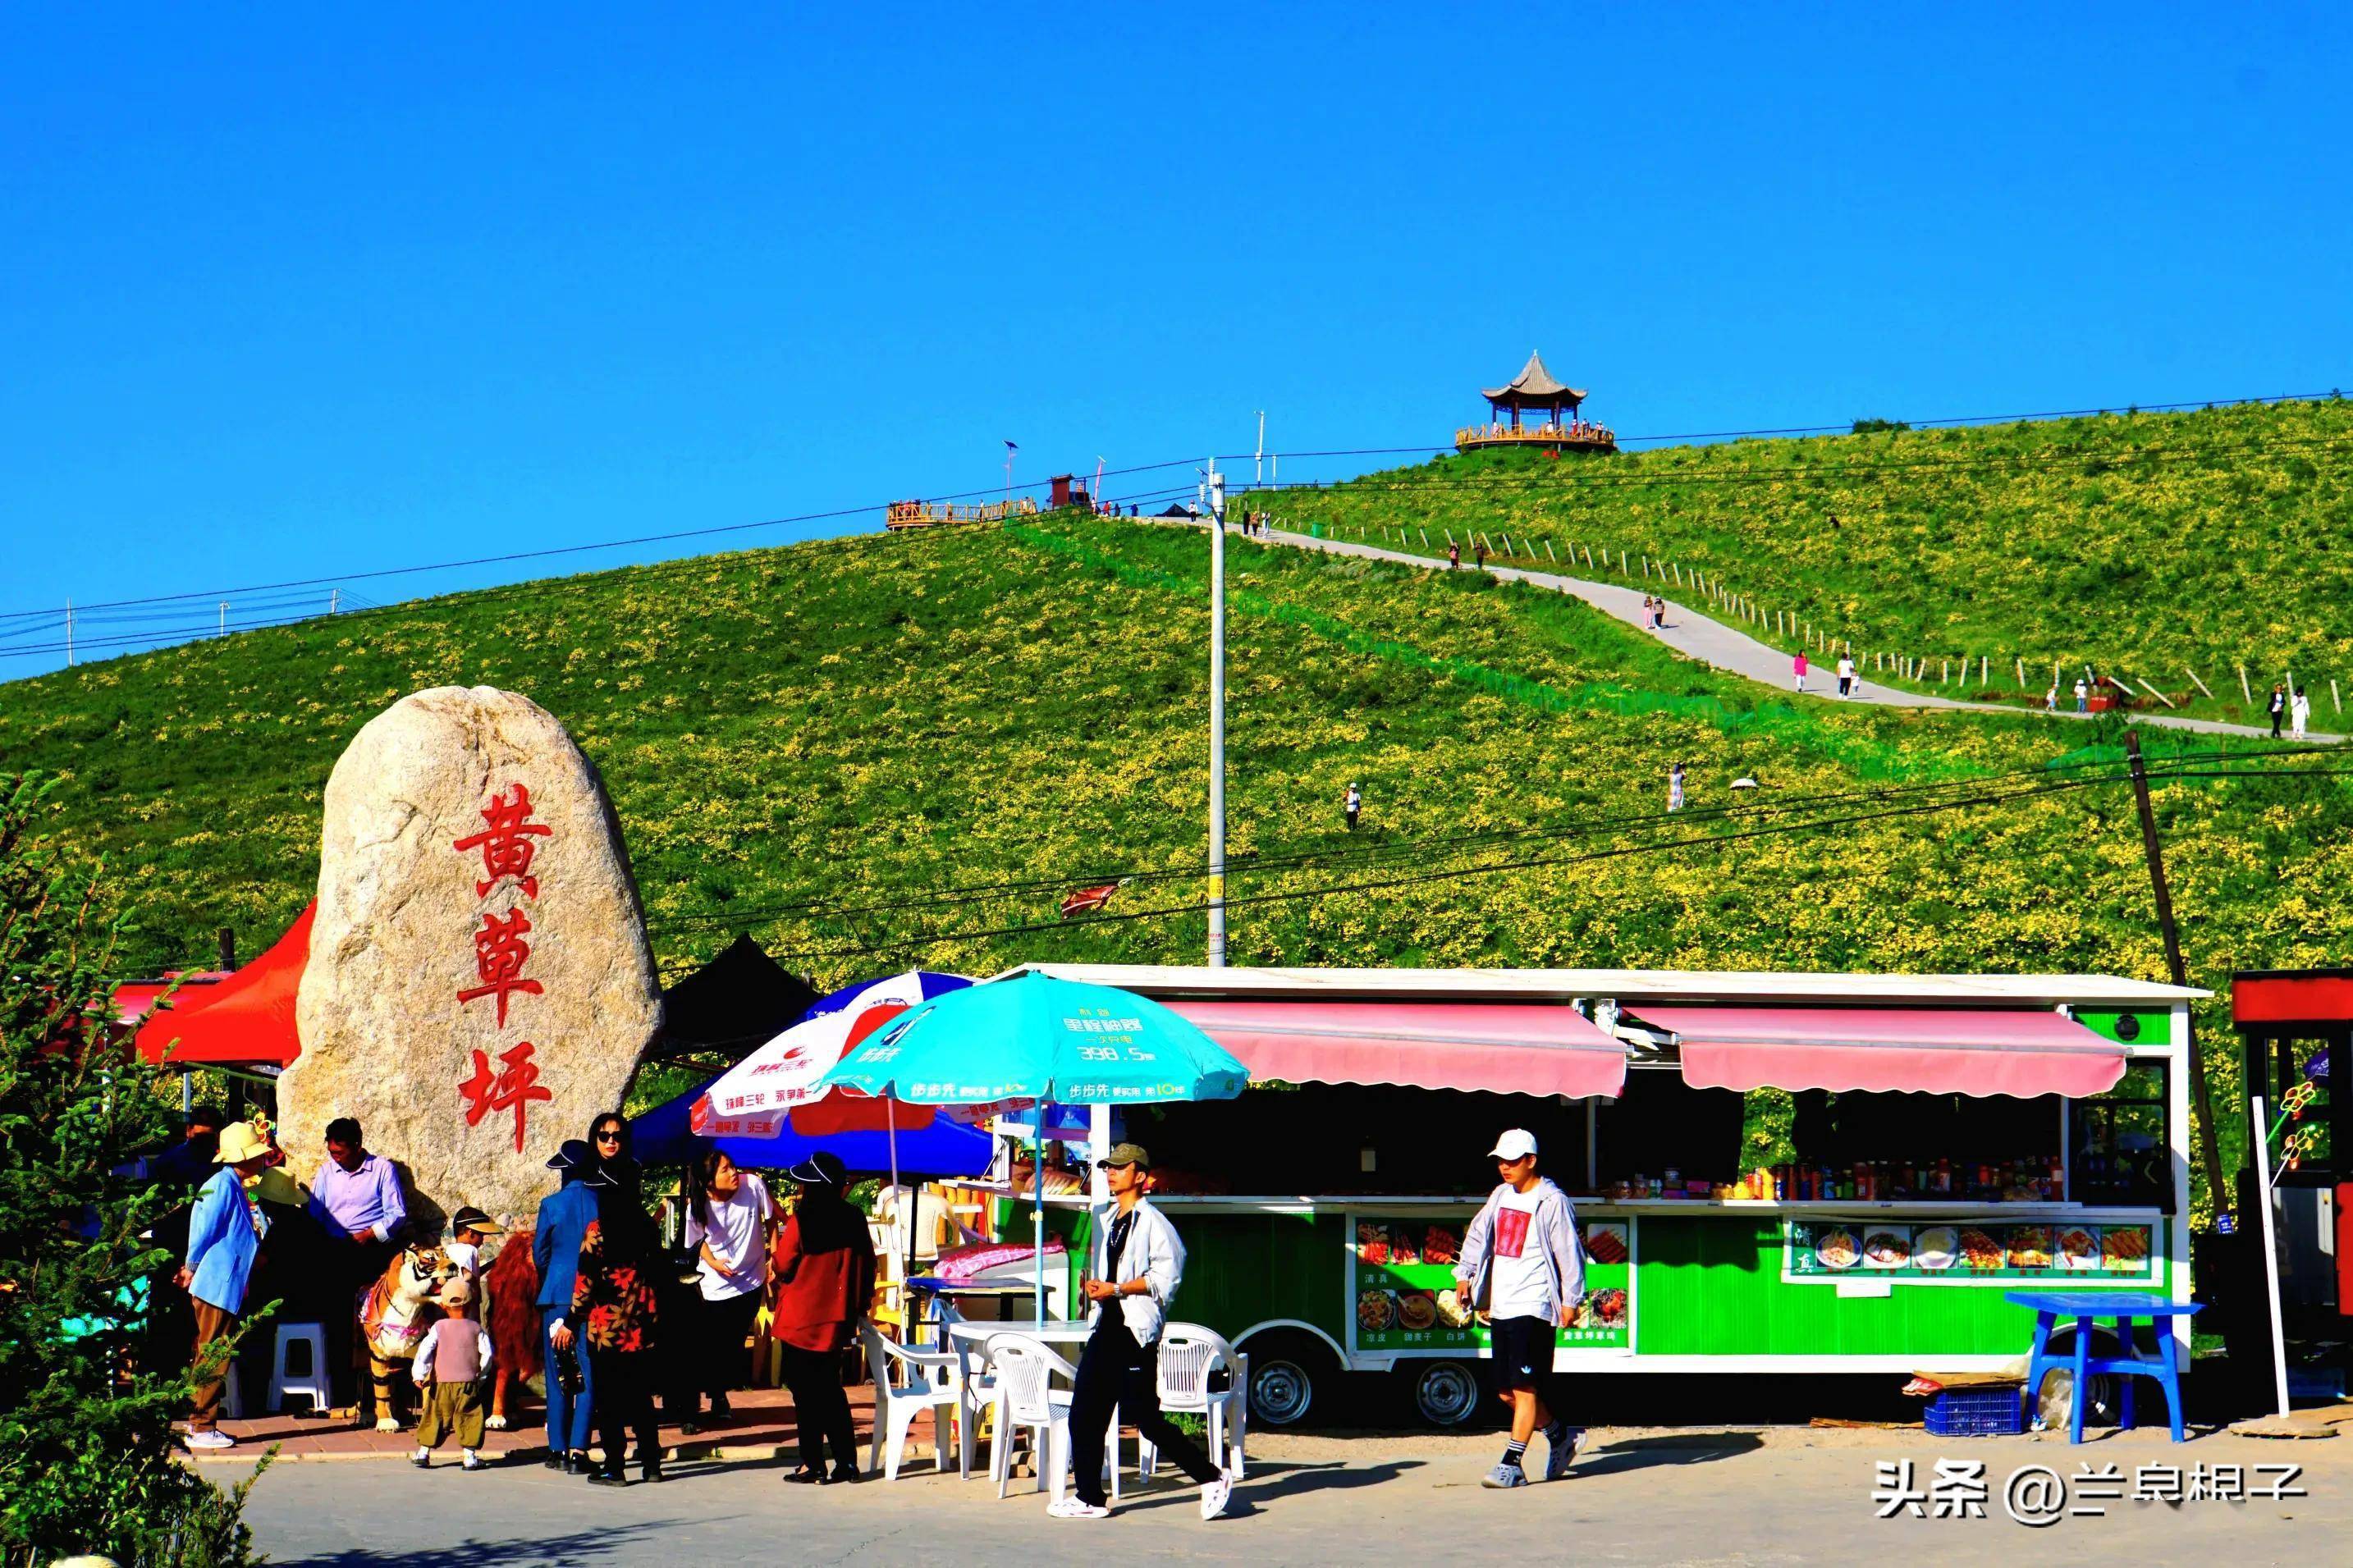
{"x": 1723, "y": 1495}
{"x": 1724, "y": 647}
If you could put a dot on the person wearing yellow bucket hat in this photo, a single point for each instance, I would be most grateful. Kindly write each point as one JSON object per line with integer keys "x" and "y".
{"x": 225, "y": 1232}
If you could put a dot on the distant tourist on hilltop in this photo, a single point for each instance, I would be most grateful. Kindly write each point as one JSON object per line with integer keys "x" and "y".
{"x": 1675, "y": 787}
{"x": 1846, "y": 675}
{"x": 2051, "y": 698}
{"x": 1797, "y": 668}
{"x": 2084, "y": 704}
{"x": 1354, "y": 803}
{"x": 2279, "y": 706}
{"x": 1478, "y": 556}
{"x": 2299, "y": 713}
{"x": 1454, "y": 555}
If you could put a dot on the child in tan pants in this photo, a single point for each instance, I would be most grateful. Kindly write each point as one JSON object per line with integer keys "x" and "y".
{"x": 453, "y": 1369}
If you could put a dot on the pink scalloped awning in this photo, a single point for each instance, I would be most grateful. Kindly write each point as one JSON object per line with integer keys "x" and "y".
{"x": 1921, "y": 1051}
{"x": 1500, "y": 1048}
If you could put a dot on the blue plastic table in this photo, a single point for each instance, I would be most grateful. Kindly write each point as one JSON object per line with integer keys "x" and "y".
{"x": 2123, "y": 1308}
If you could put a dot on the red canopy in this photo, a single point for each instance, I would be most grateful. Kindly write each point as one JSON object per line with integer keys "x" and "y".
{"x": 1501, "y": 1048}
{"x": 1923, "y": 1051}
{"x": 248, "y": 1018}
{"x": 135, "y": 999}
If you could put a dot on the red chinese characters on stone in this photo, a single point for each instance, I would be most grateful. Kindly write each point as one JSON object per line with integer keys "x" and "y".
{"x": 511, "y": 1087}
{"x": 506, "y": 843}
{"x": 499, "y": 955}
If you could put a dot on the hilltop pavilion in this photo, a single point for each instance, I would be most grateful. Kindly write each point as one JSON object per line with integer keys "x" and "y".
{"x": 1536, "y": 389}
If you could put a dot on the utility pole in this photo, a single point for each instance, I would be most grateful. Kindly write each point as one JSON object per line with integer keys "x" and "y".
{"x": 2209, "y": 1147}
{"x": 1260, "y": 476}
{"x": 1095, "y": 495}
{"x": 224, "y": 620}
{"x": 334, "y": 600}
{"x": 68, "y": 634}
{"x": 1213, "y": 489}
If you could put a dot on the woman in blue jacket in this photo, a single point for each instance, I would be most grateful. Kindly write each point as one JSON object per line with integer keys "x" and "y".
{"x": 225, "y": 1232}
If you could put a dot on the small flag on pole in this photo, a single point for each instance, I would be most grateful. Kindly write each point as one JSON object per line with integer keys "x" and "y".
{"x": 1087, "y": 901}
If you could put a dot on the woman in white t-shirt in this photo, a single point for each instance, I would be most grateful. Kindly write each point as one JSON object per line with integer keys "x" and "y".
{"x": 727, "y": 1230}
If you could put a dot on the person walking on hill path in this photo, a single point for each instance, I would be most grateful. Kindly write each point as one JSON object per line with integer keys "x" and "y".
{"x": 2051, "y": 698}
{"x": 2082, "y": 696}
{"x": 1354, "y": 803}
{"x": 1846, "y": 675}
{"x": 2299, "y": 713}
{"x": 1453, "y": 556}
{"x": 1478, "y": 556}
{"x": 1523, "y": 1268}
{"x": 1798, "y": 666}
{"x": 2279, "y": 706}
{"x": 1675, "y": 787}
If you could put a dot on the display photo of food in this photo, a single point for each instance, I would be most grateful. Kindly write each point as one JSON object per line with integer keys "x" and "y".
{"x": 1607, "y": 1308}
{"x": 2029, "y": 1246}
{"x": 2123, "y": 1251}
{"x": 1376, "y": 1311}
{"x": 1439, "y": 1244}
{"x": 1886, "y": 1249}
{"x": 1606, "y": 1243}
{"x": 1936, "y": 1247}
{"x": 1836, "y": 1248}
{"x": 1372, "y": 1242}
{"x": 1416, "y": 1309}
{"x": 2079, "y": 1249}
{"x": 1403, "y": 1249}
{"x": 1451, "y": 1310}
{"x": 1981, "y": 1252}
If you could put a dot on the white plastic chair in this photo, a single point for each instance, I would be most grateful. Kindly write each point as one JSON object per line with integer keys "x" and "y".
{"x": 1026, "y": 1397}
{"x": 934, "y": 1381}
{"x": 313, "y": 1382}
{"x": 1189, "y": 1354}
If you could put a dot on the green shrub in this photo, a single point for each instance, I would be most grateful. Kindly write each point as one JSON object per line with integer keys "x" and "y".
{"x": 87, "y": 1455}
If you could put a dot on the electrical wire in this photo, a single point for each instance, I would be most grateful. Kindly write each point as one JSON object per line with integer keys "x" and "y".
{"x": 1387, "y": 884}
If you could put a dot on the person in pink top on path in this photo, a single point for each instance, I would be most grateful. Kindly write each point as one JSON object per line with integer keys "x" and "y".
{"x": 1800, "y": 665}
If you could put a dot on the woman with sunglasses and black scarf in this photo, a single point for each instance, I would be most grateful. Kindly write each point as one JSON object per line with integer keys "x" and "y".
{"x": 614, "y": 1304}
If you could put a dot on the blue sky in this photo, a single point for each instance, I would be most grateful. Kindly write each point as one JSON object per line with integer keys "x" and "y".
{"x": 297, "y": 294}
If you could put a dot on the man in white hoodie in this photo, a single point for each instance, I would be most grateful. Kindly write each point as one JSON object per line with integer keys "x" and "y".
{"x": 1524, "y": 1271}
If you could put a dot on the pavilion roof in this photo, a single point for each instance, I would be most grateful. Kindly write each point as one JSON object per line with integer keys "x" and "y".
{"x": 1534, "y": 385}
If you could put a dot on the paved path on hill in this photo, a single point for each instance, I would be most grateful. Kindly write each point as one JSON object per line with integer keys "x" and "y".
{"x": 1721, "y": 647}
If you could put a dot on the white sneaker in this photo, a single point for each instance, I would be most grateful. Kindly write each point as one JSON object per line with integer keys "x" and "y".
{"x": 211, "y": 1440}
{"x": 473, "y": 1461}
{"x": 1072, "y": 1507}
{"x": 1216, "y": 1494}
{"x": 1561, "y": 1451}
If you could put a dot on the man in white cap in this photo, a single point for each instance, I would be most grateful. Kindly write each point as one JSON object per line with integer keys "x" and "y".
{"x": 1524, "y": 1271}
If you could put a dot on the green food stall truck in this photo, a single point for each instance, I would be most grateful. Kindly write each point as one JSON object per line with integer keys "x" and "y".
{"x": 1955, "y": 1136}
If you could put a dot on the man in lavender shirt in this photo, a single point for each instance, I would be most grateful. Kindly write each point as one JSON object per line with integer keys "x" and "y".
{"x": 356, "y": 1198}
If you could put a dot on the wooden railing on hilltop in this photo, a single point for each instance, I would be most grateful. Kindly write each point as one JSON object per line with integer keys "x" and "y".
{"x": 1578, "y": 433}
{"x": 930, "y": 514}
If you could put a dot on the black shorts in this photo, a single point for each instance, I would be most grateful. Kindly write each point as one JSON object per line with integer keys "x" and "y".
{"x": 1523, "y": 1348}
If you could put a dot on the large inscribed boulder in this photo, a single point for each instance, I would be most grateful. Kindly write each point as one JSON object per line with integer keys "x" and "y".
{"x": 479, "y": 984}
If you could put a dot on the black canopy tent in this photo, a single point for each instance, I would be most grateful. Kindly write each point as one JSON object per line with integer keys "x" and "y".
{"x": 740, "y": 1000}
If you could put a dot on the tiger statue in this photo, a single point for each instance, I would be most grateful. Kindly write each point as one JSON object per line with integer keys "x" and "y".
{"x": 398, "y": 1311}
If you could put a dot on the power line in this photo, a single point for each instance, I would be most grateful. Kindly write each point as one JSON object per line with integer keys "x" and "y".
{"x": 512, "y": 556}
{"x": 2046, "y": 788}
{"x": 1942, "y": 423}
{"x": 575, "y": 585}
{"x": 836, "y": 513}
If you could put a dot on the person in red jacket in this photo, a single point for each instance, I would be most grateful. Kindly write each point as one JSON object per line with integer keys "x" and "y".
{"x": 823, "y": 1265}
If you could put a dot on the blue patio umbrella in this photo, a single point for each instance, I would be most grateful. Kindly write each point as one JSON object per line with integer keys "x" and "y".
{"x": 1034, "y": 1039}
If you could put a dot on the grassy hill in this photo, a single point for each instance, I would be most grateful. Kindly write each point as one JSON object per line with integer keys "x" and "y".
{"x": 2148, "y": 545}
{"x": 877, "y": 752}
